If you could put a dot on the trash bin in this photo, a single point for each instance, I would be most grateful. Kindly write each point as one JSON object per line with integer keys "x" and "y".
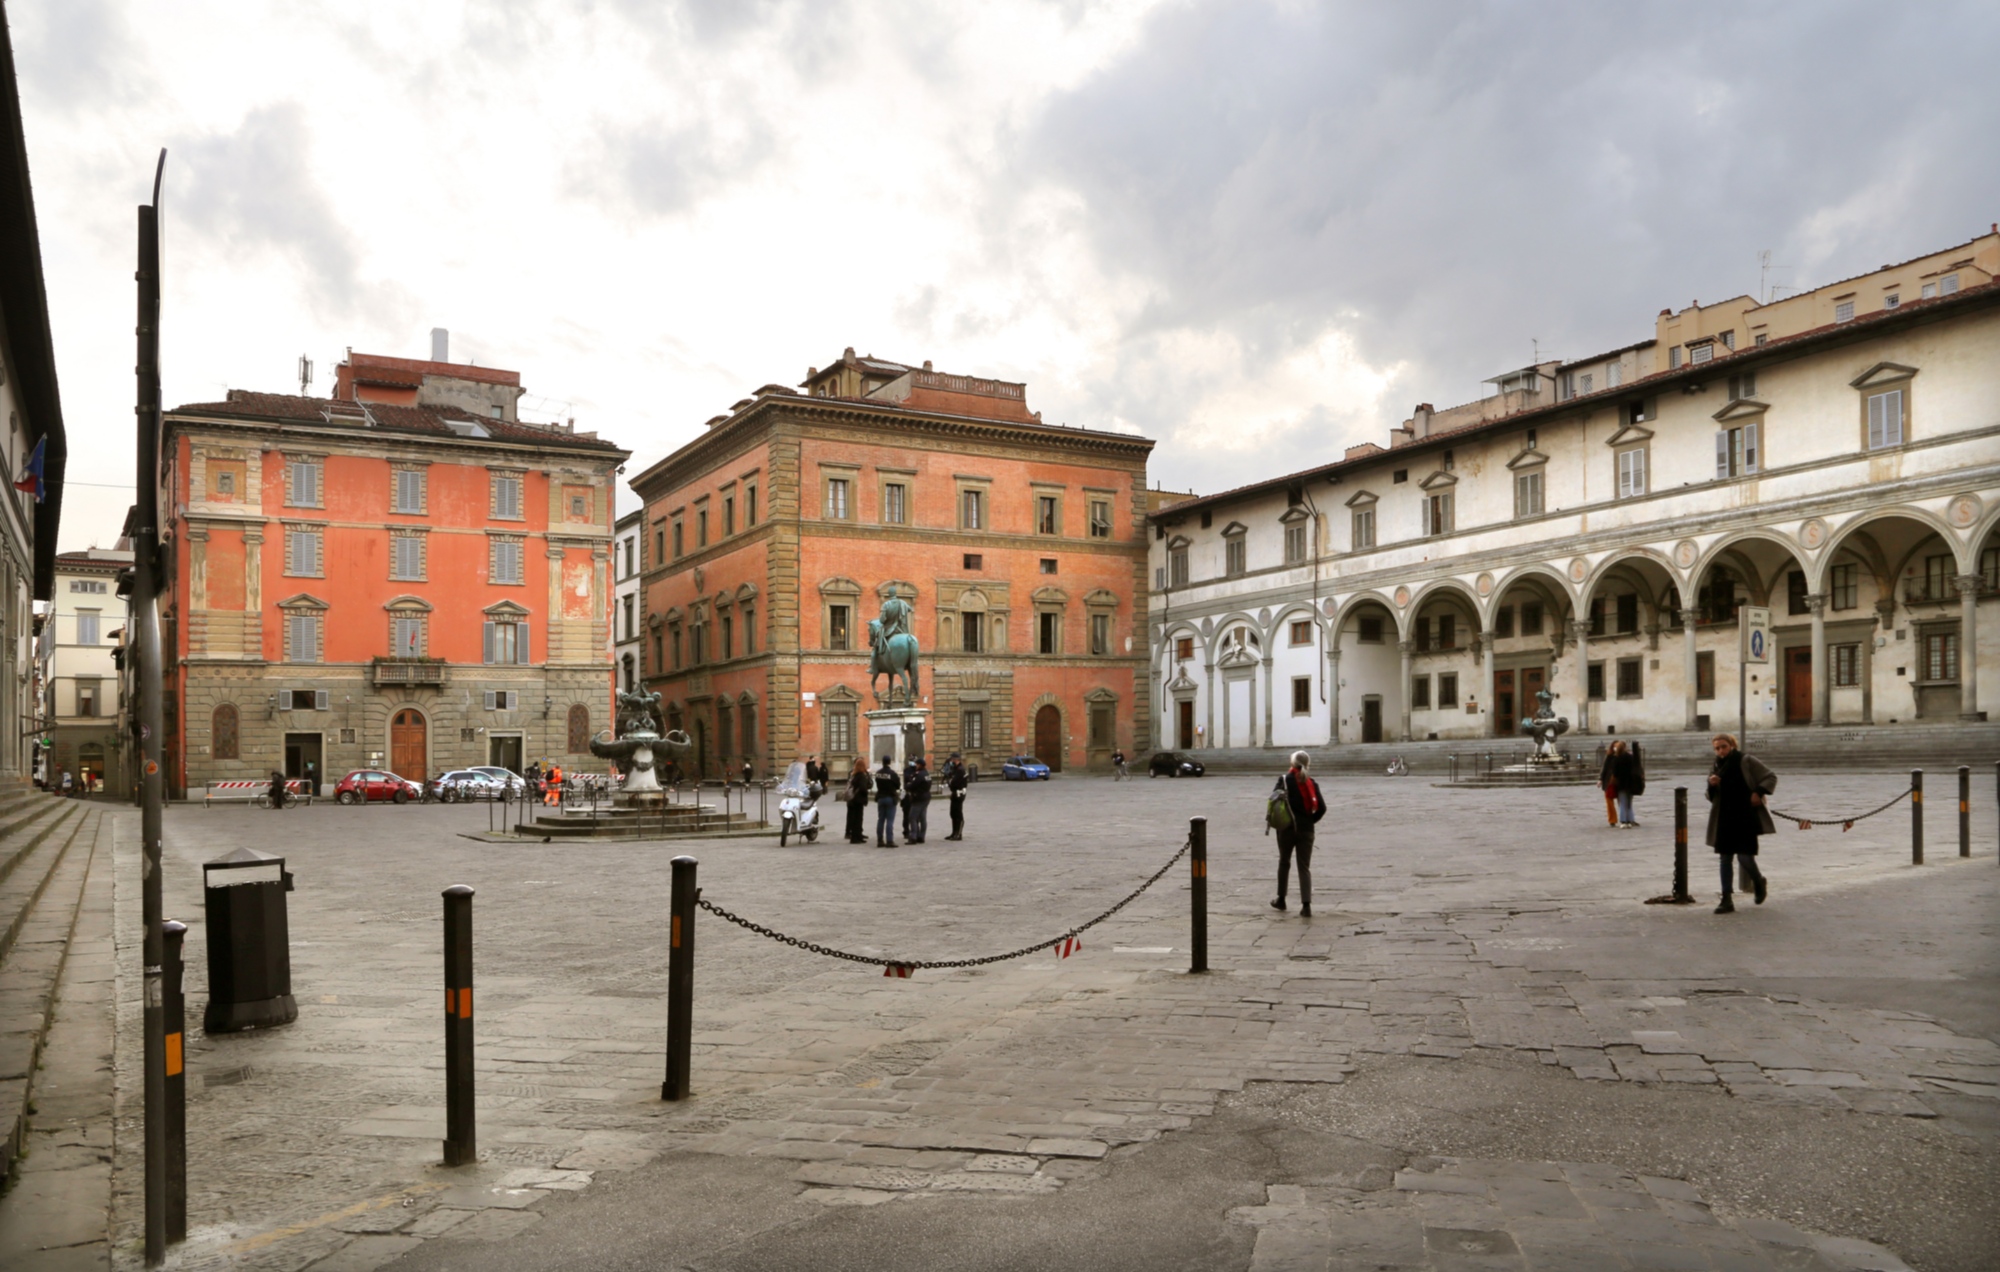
{"x": 249, "y": 942}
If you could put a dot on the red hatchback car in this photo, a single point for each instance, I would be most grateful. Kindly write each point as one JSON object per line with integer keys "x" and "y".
{"x": 368, "y": 786}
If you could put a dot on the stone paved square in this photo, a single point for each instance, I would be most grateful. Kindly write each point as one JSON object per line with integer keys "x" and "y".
{"x": 1461, "y": 942}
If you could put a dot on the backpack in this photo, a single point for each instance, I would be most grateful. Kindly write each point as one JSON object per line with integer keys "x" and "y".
{"x": 1277, "y": 809}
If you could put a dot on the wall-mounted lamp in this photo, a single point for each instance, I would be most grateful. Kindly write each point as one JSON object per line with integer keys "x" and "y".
{"x": 271, "y": 706}
{"x": 547, "y": 703}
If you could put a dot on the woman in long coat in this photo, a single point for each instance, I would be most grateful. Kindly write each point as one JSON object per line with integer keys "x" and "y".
{"x": 860, "y": 789}
{"x": 1737, "y": 787}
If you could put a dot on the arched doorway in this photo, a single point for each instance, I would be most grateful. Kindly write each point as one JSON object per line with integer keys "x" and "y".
{"x": 1048, "y": 737}
{"x": 409, "y": 748}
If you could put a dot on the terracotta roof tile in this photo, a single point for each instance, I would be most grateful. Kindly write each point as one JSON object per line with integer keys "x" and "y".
{"x": 430, "y": 420}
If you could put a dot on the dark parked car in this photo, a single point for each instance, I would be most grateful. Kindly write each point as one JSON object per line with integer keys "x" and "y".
{"x": 373, "y": 786}
{"x": 1173, "y": 764}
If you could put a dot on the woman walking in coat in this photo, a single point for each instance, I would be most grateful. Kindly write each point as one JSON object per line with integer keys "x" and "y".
{"x": 1607, "y": 781}
{"x": 1628, "y": 774}
{"x": 860, "y": 788}
{"x": 1737, "y": 786}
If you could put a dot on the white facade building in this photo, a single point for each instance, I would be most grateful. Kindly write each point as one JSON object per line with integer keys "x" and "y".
{"x": 1595, "y": 526}
{"x": 81, "y": 632}
{"x": 627, "y": 617}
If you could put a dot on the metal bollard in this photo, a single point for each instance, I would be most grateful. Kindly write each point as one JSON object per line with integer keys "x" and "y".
{"x": 1681, "y": 846}
{"x": 1916, "y": 817}
{"x": 1965, "y": 810}
{"x": 680, "y": 982}
{"x": 461, "y": 1141}
{"x": 1198, "y": 890}
{"x": 174, "y": 1001}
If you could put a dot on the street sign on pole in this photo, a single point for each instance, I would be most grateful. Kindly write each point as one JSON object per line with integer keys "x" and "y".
{"x": 1756, "y": 634}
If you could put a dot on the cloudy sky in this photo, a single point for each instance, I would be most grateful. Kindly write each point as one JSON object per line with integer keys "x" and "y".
{"x": 1256, "y": 232}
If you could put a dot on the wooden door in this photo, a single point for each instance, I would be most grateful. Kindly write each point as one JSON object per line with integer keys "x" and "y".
{"x": 1186, "y": 721}
{"x": 1533, "y": 681}
{"x": 1371, "y": 719}
{"x": 1506, "y": 721}
{"x": 408, "y": 753}
{"x": 1798, "y": 685}
{"x": 1048, "y": 737}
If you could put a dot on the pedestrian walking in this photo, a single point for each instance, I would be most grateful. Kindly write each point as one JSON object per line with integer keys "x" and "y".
{"x": 955, "y": 782}
{"x": 749, "y": 774}
{"x": 553, "y": 794}
{"x": 1737, "y": 787}
{"x": 887, "y": 787}
{"x": 1296, "y": 807}
{"x": 68, "y": 784}
{"x": 1607, "y": 781}
{"x": 1630, "y": 773}
{"x": 860, "y": 787}
{"x": 1118, "y": 765}
{"x": 917, "y": 802}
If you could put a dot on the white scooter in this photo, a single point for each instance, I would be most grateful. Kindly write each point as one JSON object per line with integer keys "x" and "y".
{"x": 798, "y": 805}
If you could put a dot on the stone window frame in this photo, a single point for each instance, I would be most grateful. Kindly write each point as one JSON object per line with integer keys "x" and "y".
{"x": 906, "y": 478}
{"x": 838, "y": 700}
{"x": 746, "y": 605}
{"x": 1530, "y": 462}
{"x": 303, "y": 605}
{"x": 493, "y": 542}
{"x": 422, "y": 470}
{"x": 1440, "y": 493}
{"x": 1101, "y": 603}
{"x": 1050, "y": 602}
{"x": 701, "y": 538}
{"x": 422, "y": 536}
{"x": 219, "y": 464}
{"x": 495, "y": 475}
{"x": 1235, "y": 550}
{"x": 578, "y": 738}
{"x": 840, "y": 590}
{"x": 1420, "y": 692}
{"x": 589, "y": 493}
{"x": 1100, "y": 703}
{"x": 507, "y": 613}
{"x": 1179, "y": 567}
{"x": 1297, "y": 521}
{"x": 317, "y": 529}
{"x": 314, "y": 460}
{"x": 1877, "y": 381}
{"x": 966, "y": 490}
{"x": 1630, "y": 439}
{"x": 1361, "y": 507}
{"x": 1637, "y": 666}
{"x": 751, "y": 483}
{"x": 1059, "y": 495}
{"x": 1301, "y": 683}
{"x": 1094, "y": 499}
{"x": 404, "y": 608}
{"x": 829, "y": 473}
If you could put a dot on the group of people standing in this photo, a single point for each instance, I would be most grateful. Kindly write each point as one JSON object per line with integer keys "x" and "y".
{"x": 911, "y": 792}
{"x": 1622, "y": 778}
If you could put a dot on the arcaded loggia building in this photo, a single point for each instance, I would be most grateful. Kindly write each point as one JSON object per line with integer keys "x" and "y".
{"x": 1597, "y": 525}
{"x": 404, "y": 576}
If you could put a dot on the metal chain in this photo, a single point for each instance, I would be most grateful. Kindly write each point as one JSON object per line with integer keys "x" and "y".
{"x": 873, "y": 961}
{"x": 1846, "y": 823}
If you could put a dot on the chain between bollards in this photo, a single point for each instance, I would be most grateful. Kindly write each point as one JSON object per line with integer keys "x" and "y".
{"x": 461, "y": 1140}
{"x": 680, "y": 981}
{"x": 174, "y": 1000}
{"x": 1198, "y": 891}
{"x": 1916, "y": 817}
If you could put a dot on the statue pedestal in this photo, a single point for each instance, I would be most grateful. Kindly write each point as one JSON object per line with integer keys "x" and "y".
{"x": 897, "y": 732}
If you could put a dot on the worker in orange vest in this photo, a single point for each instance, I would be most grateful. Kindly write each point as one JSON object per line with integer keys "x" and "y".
{"x": 553, "y": 795}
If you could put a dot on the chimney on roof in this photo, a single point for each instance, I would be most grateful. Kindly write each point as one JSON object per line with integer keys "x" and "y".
{"x": 1420, "y": 420}
{"x": 440, "y": 345}
{"x": 927, "y": 364}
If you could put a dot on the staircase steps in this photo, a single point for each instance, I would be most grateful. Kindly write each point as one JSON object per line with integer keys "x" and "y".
{"x": 47, "y": 857}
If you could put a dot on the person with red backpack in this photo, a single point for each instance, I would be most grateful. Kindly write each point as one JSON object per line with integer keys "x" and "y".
{"x": 1296, "y": 806}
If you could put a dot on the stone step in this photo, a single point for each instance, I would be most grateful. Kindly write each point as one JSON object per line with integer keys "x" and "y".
{"x": 26, "y": 863}
{"x": 43, "y": 922}
{"x": 22, "y": 833}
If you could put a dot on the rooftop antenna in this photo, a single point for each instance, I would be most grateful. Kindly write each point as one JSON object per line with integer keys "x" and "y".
{"x": 1767, "y": 291}
{"x": 305, "y": 375}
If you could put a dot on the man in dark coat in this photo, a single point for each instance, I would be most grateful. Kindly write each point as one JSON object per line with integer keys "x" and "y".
{"x": 887, "y": 787}
{"x": 1303, "y": 798}
{"x": 277, "y": 788}
{"x": 1737, "y": 786}
{"x": 859, "y": 788}
{"x": 917, "y": 802}
{"x": 955, "y": 781}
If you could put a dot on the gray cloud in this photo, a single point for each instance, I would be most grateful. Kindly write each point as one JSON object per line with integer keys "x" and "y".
{"x": 253, "y": 190}
{"x": 78, "y": 56}
{"x": 1443, "y": 182}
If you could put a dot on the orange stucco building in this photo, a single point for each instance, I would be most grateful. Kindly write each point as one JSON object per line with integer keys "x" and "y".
{"x": 774, "y": 538}
{"x": 404, "y": 576}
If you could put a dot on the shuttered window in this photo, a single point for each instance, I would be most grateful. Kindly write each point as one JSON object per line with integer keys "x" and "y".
{"x": 406, "y": 557}
{"x": 506, "y": 642}
{"x": 1632, "y": 472}
{"x": 408, "y": 495}
{"x": 1885, "y": 419}
{"x": 1736, "y": 452}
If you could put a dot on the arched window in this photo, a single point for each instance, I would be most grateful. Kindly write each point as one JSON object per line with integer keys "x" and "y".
{"x": 222, "y": 732}
{"x": 579, "y": 728}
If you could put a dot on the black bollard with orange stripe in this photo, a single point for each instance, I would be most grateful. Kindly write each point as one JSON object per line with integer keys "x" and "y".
{"x": 1916, "y": 817}
{"x": 1965, "y": 810}
{"x": 680, "y": 981}
{"x": 174, "y": 1004}
{"x": 1198, "y": 890}
{"x": 461, "y": 1140}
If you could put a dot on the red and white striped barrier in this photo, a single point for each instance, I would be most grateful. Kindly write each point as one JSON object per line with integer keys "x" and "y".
{"x": 248, "y": 790}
